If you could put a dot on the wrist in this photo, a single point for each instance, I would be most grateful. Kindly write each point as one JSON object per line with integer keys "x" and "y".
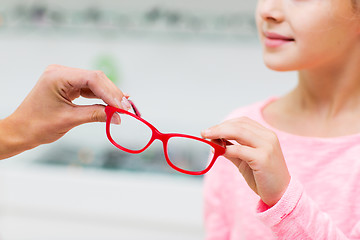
{"x": 14, "y": 138}
{"x": 278, "y": 192}
{"x": 284, "y": 207}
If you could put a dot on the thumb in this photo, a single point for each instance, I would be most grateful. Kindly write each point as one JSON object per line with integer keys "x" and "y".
{"x": 90, "y": 113}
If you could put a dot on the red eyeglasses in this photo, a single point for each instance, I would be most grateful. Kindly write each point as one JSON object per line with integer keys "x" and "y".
{"x": 134, "y": 135}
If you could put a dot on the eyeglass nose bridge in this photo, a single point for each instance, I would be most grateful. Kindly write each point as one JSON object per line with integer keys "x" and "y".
{"x": 163, "y": 137}
{"x": 156, "y": 135}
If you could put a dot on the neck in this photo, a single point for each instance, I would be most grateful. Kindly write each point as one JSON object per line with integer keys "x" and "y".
{"x": 330, "y": 91}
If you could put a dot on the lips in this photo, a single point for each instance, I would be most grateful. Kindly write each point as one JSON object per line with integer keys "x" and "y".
{"x": 275, "y": 40}
{"x": 272, "y": 35}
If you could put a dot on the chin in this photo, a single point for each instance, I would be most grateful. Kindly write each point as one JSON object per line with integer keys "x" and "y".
{"x": 281, "y": 67}
{"x": 280, "y": 64}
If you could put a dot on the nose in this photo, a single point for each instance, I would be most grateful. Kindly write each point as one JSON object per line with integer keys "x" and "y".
{"x": 270, "y": 10}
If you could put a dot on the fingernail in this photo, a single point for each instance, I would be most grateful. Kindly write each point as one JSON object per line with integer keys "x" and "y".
{"x": 125, "y": 103}
{"x": 116, "y": 120}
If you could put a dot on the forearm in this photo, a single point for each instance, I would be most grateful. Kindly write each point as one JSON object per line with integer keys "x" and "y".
{"x": 13, "y": 137}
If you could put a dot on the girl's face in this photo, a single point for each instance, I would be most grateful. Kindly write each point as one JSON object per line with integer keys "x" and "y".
{"x": 306, "y": 34}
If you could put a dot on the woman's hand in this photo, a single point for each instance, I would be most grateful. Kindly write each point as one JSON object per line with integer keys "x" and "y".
{"x": 257, "y": 155}
{"x": 47, "y": 113}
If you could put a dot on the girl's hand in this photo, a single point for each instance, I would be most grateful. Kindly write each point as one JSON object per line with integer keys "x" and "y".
{"x": 257, "y": 155}
{"x": 47, "y": 113}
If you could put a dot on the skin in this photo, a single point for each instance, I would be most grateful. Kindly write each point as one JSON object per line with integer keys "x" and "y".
{"x": 325, "y": 51}
{"x": 48, "y": 112}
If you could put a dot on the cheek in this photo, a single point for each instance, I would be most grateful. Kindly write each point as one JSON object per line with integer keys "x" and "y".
{"x": 307, "y": 51}
{"x": 317, "y": 34}
{"x": 318, "y": 37}
{"x": 309, "y": 17}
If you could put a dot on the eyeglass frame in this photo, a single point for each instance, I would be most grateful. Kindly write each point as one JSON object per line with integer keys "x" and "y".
{"x": 163, "y": 137}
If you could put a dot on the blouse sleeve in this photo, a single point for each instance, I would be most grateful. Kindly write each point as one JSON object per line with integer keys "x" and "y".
{"x": 295, "y": 216}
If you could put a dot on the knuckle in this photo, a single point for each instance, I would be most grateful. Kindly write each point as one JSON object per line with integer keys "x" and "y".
{"x": 264, "y": 156}
{"x": 49, "y": 74}
{"x": 96, "y": 116}
{"x": 236, "y": 122}
{"x": 240, "y": 130}
{"x": 91, "y": 77}
{"x": 272, "y": 137}
{"x": 100, "y": 74}
{"x": 96, "y": 76}
{"x": 245, "y": 120}
{"x": 267, "y": 152}
{"x": 243, "y": 123}
{"x": 269, "y": 149}
{"x": 239, "y": 120}
{"x": 52, "y": 67}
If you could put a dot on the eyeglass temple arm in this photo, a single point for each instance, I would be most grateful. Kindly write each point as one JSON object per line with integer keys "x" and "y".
{"x": 222, "y": 142}
{"x": 225, "y": 142}
{"x": 136, "y": 110}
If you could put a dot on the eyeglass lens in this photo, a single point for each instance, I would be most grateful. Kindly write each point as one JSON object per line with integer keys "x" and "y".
{"x": 131, "y": 134}
{"x": 188, "y": 154}
{"x": 185, "y": 153}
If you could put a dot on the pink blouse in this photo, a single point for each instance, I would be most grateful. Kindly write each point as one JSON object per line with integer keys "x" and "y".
{"x": 322, "y": 200}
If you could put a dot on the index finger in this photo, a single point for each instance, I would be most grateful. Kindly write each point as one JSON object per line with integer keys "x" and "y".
{"x": 238, "y": 130}
{"x": 96, "y": 81}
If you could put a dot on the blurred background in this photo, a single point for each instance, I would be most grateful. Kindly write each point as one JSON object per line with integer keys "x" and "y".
{"x": 186, "y": 64}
